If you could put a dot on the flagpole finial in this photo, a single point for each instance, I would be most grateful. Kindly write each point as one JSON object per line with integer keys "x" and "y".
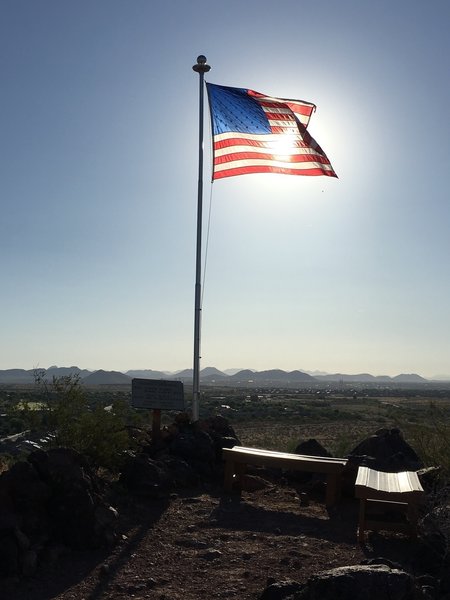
{"x": 201, "y": 66}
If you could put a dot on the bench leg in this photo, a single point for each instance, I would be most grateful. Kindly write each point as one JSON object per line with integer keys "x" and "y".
{"x": 412, "y": 514}
{"x": 362, "y": 520}
{"x": 333, "y": 489}
{"x": 240, "y": 472}
{"x": 229, "y": 473}
{"x": 233, "y": 472}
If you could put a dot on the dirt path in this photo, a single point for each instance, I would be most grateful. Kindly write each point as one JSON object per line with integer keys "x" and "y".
{"x": 208, "y": 545}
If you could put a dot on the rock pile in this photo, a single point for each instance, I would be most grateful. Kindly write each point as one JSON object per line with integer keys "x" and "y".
{"x": 54, "y": 500}
{"x": 51, "y": 500}
{"x": 356, "y": 582}
{"x": 187, "y": 454}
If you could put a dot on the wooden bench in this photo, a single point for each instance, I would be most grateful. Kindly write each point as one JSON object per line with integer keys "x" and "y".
{"x": 383, "y": 492}
{"x": 237, "y": 458}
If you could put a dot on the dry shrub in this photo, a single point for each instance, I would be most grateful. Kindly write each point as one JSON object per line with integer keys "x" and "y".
{"x": 4, "y": 464}
{"x": 431, "y": 439}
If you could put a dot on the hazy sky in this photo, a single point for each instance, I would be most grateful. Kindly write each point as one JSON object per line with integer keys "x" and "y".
{"x": 98, "y": 187}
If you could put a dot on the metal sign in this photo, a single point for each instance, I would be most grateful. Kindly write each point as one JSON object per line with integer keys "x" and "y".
{"x": 157, "y": 394}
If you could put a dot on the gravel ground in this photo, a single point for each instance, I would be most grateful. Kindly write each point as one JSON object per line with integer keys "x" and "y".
{"x": 204, "y": 544}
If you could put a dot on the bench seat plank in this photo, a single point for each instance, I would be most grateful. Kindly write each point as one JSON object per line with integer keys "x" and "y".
{"x": 300, "y": 462}
{"x": 239, "y": 456}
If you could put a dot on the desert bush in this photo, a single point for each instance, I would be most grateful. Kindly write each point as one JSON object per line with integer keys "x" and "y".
{"x": 101, "y": 435}
{"x": 431, "y": 438}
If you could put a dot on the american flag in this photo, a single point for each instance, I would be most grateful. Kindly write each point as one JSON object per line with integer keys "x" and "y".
{"x": 255, "y": 133}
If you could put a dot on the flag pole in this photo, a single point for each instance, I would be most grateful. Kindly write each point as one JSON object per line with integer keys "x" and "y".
{"x": 201, "y": 68}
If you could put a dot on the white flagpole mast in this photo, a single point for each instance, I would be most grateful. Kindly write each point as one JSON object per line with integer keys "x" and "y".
{"x": 201, "y": 68}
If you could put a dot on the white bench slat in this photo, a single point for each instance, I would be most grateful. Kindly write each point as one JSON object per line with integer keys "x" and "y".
{"x": 286, "y": 455}
{"x": 405, "y": 482}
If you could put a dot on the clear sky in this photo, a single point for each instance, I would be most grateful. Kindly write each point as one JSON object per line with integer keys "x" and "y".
{"x": 98, "y": 187}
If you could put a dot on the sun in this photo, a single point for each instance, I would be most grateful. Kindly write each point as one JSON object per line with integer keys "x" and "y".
{"x": 285, "y": 146}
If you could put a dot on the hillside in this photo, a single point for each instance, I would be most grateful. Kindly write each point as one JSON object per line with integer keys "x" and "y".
{"x": 106, "y": 377}
{"x": 211, "y": 375}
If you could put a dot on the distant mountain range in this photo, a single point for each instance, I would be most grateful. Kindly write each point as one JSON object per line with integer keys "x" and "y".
{"x": 210, "y": 375}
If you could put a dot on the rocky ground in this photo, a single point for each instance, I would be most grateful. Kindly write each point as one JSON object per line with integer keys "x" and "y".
{"x": 201, "y": 543}
{"x": 165, "y": 529}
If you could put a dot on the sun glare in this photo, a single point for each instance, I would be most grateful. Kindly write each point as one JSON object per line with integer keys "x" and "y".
{"x": 284, "y": 146}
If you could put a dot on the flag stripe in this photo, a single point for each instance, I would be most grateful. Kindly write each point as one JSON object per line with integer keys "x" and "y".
{"x": 300, "y": 106}
{"x": 248, "y": 170}
{"x": 276, "y": 110}
{"x": 287, "y": 114}
{"x": 295, "y": 107}
{"x": 288, "y": 145}
{"x": 269, "y": 141}
{"x": 285, "y": 117}
{"x": 241, "y": 160}
{"x": 284, "y": 130}
{"x": 288, "y": 123}
{"x": 250, "y": 137}
{"x": 300, "y": 155}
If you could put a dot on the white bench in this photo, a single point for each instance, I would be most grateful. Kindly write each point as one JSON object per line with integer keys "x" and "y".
{"x": 379, "y": 491}
{"x": 237, "y": 459}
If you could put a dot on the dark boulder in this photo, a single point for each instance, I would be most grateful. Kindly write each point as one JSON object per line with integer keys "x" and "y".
{"x": 23, "y": 501}
{"x": 387, "y": 451}
{"x": 145, "y": 476}
{"x": 197, "y": 448}
{"x": 381, "y": 560}
{"x": 62, "y": 468}
{"x": 73, "y": 498}
{"x": 432, "y": 479}
{"x": 221, "y": 433}
{"x": 193, "y": 444}
{"x": 312, "y": 447}
{"x": 360, "y": 582}
{"x": 179, "y": 471}
{"x": 54, "y": 497}
{"x": 218, "y": 425}
{"x": 309, "y": 447}
{"x": 9, "y": 555}
{"x": 25, "y": 486}
{"x": 433, "y": 554}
